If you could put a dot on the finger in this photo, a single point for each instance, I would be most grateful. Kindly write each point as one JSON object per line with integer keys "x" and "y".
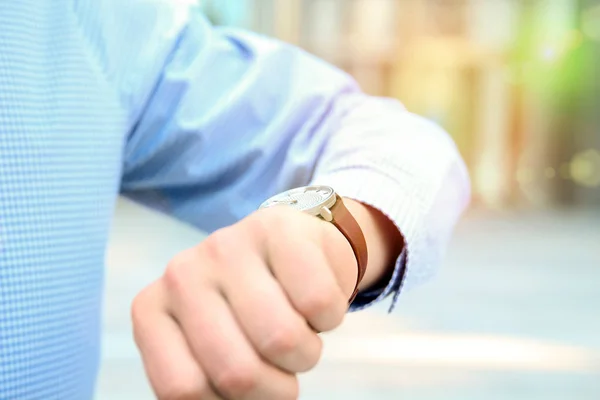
{"x": 273, "y": 326}
{"x": 308, "y": 279}
{"x": 234, "y": 369}
{"x": 169, "y": 364}
{"x": 339, "y": 255}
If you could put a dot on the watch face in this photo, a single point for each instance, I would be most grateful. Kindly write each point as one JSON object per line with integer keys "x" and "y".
{"x": 310, "y": 199}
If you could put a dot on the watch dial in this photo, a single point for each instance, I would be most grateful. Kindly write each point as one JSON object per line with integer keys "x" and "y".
{"x": 304, "y": 199}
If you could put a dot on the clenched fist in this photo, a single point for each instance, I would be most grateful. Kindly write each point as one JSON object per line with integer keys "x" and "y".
{"x": 237, "y": 316}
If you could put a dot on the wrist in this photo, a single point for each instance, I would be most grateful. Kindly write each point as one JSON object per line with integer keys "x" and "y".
{"x": 384, "y": 242}
{"x": 373, "y": 238}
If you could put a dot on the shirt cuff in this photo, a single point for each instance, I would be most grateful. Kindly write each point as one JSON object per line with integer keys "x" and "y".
{"x": 400, "y": 202}
{"x": 394, "y": 285}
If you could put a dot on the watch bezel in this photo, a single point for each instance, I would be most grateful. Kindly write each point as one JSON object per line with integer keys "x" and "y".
{"x": 315, "y": 210}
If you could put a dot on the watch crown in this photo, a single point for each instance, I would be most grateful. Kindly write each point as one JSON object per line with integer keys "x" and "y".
{"x": 326, "y": 214}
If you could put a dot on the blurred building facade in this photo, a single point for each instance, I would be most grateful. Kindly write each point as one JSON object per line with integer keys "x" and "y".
{"x": 515, "y": 82}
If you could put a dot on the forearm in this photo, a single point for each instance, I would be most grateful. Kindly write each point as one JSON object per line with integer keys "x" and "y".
{"x": 409, "y": 185}
{"x": 277, "y": 118}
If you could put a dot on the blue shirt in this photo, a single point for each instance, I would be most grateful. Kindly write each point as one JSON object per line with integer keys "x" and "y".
{"x": 146, "y": 99}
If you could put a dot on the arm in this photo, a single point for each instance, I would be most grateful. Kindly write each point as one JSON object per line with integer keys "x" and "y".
{"x": 222, "y": 119}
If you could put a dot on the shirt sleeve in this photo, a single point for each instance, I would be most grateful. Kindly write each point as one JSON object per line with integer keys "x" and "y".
{"x": 221, "y": 119}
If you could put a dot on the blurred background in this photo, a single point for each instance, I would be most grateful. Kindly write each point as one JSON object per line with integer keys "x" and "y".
{"x": 514, "y": 81}
{"x": 515, "y": 310}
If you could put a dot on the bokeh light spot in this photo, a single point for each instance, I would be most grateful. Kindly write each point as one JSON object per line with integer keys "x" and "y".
{"x": 585, "y": 168}
{"x": 590, "y": 22}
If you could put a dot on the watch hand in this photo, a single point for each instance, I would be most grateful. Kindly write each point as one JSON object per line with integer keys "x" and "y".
{"x": 290, "y": 201}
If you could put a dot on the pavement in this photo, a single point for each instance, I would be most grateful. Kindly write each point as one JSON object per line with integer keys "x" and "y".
{"x": 514, "y": 313}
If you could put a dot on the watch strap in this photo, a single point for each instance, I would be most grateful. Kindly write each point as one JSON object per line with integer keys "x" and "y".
{"x": 347, "y": 225}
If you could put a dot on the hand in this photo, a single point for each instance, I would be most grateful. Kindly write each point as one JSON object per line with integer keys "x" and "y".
{"x": 237, "y": 316}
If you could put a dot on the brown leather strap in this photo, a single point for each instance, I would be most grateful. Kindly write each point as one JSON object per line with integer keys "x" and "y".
{"x": 346, "y": 223}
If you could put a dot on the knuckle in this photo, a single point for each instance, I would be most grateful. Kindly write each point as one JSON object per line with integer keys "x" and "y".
{"x": 281, "y": 215}
{"x": 259, "y": 224}
{"x": 316, "y": 357}
{"x": 293, "y": 391}
{"x": 293, "y": 395}
{"x": 283, "y": 340}
{"x": 180, "y": 390}
{"x": 318, "y": 302}
{"x": 220, "y": 244}
{"x": 268, "y": 219}
{"x": 139, "y": 307}
{"x": 237, "y": 381}
{"x": 174, "y": 275}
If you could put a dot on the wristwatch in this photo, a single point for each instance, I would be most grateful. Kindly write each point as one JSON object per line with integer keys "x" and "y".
{"x": 323, "y": 202}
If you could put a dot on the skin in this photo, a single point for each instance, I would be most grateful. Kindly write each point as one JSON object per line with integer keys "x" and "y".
{"x": 237, "y": 316}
